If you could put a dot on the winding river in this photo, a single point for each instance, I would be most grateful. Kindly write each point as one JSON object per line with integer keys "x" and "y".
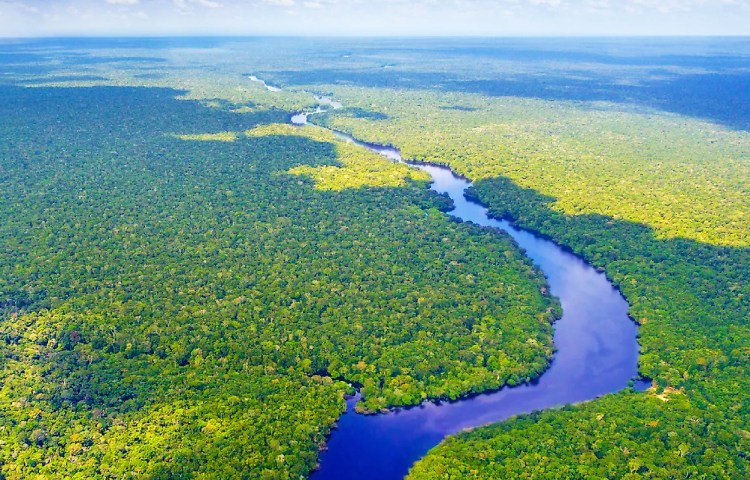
{"x": 597, "y": 353}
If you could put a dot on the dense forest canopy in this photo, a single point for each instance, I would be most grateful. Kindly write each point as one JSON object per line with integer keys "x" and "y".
{"x": 683, "y": 178}
{"x": 188, "y": 285}
{"x": 661, "y": 203}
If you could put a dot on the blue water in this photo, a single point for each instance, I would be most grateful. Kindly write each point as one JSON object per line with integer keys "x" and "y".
{"x": 597, "y": 354}
{"x": 597, "y": 350}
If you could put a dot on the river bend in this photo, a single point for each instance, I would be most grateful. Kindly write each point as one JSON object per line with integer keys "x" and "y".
{"x": 597, "y": 353}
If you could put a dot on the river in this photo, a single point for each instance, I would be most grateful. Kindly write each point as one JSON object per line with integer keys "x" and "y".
{"x": 268, "y": 87}
{"x": 597, "y": 353}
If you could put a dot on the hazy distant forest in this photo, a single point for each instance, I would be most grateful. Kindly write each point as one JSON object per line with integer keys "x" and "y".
{"x": 190, "y": 286}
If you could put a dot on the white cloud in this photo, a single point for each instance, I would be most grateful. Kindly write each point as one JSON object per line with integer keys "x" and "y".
{"x": 19, "y": 7}
{"x": 669, "y": 6}
{"x": 280, "y": 3}
{"x": 188, "y": 5}
{"x": 373, "y": 17}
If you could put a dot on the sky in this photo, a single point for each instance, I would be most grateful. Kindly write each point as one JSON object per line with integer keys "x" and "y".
{"x": 34, "y": 18}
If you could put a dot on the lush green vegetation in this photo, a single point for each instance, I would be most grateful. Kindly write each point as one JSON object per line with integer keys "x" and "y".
{"x": 185, "y": 284}
{"x": 684, "y": 178}
{"x": 692, "y": 302}
{"x": 675, "y": 243}
{"x": 186, "y": 289}
{"x": 626, "y": 436}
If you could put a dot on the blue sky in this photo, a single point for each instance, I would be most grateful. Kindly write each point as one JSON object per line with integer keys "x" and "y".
{"x": 374, "y": 17}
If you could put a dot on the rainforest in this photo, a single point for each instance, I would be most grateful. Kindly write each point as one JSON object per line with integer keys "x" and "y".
{"x": 194, "y": 283}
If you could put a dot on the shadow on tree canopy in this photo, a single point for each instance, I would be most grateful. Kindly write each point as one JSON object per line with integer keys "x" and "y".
{"x": 171, "y": 303}
{"x": 692, "y": 299}
{"x": 693, "y": 305}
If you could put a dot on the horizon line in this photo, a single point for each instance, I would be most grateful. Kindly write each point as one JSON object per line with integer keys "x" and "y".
{"x": 372, "y": 36}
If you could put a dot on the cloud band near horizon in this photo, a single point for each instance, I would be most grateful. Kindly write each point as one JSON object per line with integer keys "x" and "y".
{"x": 28, "y": 18}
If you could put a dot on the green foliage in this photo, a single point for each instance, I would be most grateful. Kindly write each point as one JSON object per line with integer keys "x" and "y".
{"x": 625, "y": 436}
{"x": 593, "y": 178}
{"x": 175, "y": 308}
{"x": 692, "y": 302}
{"x": 592, "y": 158}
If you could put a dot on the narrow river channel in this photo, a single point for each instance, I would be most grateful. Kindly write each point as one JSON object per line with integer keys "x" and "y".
{"x": 597, "y": 353}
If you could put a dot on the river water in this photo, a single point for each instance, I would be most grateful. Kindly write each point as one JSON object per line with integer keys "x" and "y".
{"x": 268, "y": 87}
{"x": 597, "y": 353}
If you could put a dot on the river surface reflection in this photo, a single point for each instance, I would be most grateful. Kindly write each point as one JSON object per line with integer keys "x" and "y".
{"x": 597, "y": 353}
